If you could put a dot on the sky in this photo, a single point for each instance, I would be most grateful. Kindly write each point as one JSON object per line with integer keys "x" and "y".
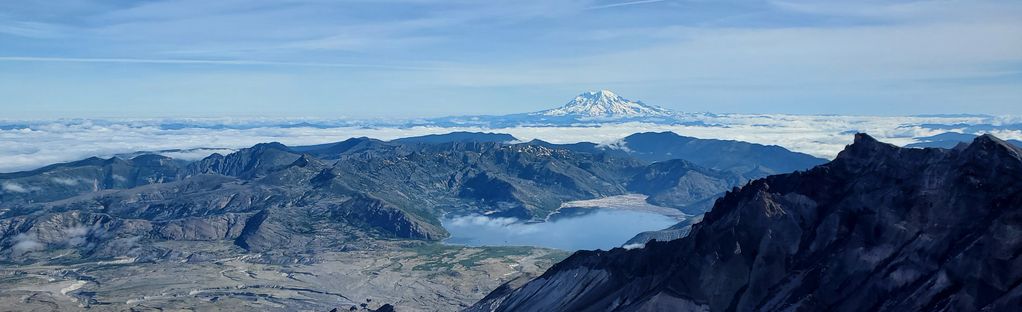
{"x": 427, "y": 58}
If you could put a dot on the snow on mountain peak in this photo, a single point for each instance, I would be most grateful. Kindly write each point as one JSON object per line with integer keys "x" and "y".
{"x": 605, "y": 105}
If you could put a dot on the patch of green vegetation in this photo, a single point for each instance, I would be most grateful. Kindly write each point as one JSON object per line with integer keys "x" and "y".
{"x": 429, "y": 248}
{"x": 435, "y": 266}
{"x": 504, "y": 252}
{"x": 554, "y": 256}
{"x": 438, "y": 257}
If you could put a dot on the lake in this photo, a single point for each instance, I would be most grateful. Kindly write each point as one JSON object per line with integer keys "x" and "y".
{"x": 569, "y": 229}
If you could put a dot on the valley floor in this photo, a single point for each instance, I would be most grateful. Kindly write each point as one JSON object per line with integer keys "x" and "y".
{"x": 410, "y": 276}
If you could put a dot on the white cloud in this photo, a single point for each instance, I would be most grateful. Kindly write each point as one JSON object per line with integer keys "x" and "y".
{"x": 482, "y": 221}
{"x": 29, "y": 29}
{"x": 205, "y": 62}
{"x": 48, "y": 142}
{"x": 76, "y": 236}
{"x": 510, "y": 226}
{"x": 25, "y": 243}
{"x": 633, "y": 246}
{"x": 621, "y": 4}
{"x": 66, "y": 181}
{"x": 13, "y": 187}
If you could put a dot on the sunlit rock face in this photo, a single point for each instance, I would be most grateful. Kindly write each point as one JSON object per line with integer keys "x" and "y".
{"x": 880, "y": 228}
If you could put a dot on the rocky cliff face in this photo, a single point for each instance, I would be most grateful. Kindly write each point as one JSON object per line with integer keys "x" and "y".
{"x": 880, "y": 228}
{"x": 246, "y": 163}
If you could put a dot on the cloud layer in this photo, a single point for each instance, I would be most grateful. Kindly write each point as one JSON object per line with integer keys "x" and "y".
{"x": 31, "y": 144}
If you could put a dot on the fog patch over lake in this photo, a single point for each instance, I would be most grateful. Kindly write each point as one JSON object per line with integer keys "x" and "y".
{"x": 569, "y": 229}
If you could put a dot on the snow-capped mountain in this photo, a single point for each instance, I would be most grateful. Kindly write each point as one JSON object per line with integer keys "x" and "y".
{"x": 604, "y": 104}
{"x": 588, "y": 108}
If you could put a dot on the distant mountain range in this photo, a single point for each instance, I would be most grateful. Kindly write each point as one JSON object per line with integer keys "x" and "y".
{"x": 950, "y": 140}
{"x": 343, "y": 195}
{"x": 460, "y": 136}
{"x": 880, "y": 228}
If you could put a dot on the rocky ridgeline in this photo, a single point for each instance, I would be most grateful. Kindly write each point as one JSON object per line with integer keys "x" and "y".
{"x": 880, "y": 228}
{"x": 334, "y": 196}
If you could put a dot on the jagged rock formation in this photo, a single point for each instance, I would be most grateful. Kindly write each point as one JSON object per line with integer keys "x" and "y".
{"x": 247, "y": 163}
{"x": 880, "y": 228}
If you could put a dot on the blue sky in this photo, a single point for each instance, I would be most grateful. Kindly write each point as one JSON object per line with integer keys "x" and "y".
{"x": 407, "y": 58}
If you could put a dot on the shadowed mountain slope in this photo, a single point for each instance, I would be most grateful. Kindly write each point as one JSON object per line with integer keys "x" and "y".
{"x": 880, "y": 228}
{"x": 748, "y": 159}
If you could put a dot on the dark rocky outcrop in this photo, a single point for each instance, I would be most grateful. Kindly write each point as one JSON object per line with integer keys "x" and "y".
{"x": 880, "y": 228}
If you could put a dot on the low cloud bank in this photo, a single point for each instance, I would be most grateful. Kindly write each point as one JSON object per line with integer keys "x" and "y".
{"x": 13, "y": 187}
{"x": 25, "y": 243}
{"x": 32, "y": 144}
{"x": 510, "y": 226}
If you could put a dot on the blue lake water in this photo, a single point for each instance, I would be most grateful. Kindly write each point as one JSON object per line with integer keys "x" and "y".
{"x": 571, "y": 229}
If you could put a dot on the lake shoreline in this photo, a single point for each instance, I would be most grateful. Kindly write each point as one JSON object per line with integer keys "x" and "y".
{"x": 631, "y": 202}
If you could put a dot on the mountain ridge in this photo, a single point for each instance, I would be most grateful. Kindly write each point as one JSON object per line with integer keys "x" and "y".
{"x": 274, "y": 197}
{"x": 880, "y": 228}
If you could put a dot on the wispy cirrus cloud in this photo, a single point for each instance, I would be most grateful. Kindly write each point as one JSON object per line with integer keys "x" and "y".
{"x": 329, "y": 57}
{"x": 30, "y": 29}
{"x": 621, "y": 4}
{"x": 206, "y": 62}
